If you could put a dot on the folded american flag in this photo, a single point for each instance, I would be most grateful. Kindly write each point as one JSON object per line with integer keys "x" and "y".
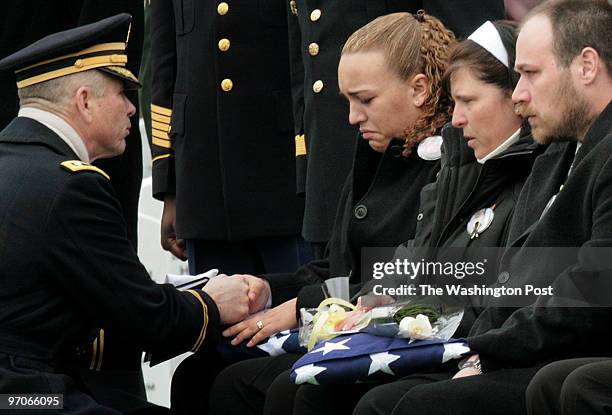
{"x": 364, "y": 357}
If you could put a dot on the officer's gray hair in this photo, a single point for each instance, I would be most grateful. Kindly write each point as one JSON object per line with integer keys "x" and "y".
{"x": 60, "y": 90}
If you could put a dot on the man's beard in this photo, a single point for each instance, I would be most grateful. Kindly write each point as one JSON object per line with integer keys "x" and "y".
{"x": 573, "y": 121}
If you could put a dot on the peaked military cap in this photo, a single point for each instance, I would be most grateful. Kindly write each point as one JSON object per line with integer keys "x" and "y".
{"x": 100, "y": 45}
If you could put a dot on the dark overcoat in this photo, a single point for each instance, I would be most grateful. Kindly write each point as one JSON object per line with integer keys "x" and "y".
{"x": 580, "y": 217}
{"x": 465, "y": 186}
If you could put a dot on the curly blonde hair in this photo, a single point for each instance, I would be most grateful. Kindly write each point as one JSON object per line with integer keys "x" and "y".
{"x": 412, "y": 44}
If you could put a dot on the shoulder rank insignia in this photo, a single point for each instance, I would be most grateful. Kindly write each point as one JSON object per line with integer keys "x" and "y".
{"x": 76, "y": 166}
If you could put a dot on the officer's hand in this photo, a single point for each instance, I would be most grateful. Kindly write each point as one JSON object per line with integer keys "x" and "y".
{"x": 259, "y": 292}
{"x": 231, "y": 296}
{"x": 274, "y": 320}
{"x": 168, "y": 225}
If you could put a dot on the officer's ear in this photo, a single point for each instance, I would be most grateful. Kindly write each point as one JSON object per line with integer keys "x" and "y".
{"x": 83, "y": 97}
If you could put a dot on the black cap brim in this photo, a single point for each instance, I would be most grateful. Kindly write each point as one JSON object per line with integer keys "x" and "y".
{"x": 130, "y": 81}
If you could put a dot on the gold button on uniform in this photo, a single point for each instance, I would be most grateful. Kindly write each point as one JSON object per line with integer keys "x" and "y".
{"x": 227, "y": 85}
{"x": 317, "y": 86}
{"x": 224, "y": 44}
{"x": 315, "y": 15}
{"x": 313, "y": 49}
{"x": 222, "y": 8}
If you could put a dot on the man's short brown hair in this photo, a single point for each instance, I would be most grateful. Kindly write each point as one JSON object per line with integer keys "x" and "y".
{"x": 577, "y": 24}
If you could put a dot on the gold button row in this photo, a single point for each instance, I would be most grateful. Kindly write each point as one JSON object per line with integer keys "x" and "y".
{"x": 224, "y": 44}
{"x": 317, "y": 86}
{"x": 313, "y": 48}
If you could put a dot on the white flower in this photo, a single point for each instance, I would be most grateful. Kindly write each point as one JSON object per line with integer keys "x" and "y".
{"x": 415, "y": 328}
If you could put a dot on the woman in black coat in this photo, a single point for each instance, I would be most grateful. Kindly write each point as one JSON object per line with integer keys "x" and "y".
{"x": 390, "y": 73}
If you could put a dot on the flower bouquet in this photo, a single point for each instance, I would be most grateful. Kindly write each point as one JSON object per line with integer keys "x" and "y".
{"x": 414, "y": 319}
{"x": 355, "y": 343}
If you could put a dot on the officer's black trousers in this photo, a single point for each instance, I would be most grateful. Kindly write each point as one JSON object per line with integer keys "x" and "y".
{"x": 575, "y": 386}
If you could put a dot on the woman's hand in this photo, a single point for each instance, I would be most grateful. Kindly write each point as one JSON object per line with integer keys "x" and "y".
{"x": 352, "y": 319}
{"x": 272, "y": 321}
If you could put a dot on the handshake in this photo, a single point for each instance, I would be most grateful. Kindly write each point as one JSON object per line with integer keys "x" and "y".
{"x": 238, "y": 296}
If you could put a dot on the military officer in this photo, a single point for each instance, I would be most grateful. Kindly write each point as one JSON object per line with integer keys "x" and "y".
{"x": 69, "y": 271}
{"x": 221, "y": 135}
{"x": 41, "y": 18}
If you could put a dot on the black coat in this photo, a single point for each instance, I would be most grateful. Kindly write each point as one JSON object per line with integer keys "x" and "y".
{"x": 229, "y": 155}
{"x": 379, "y": 207}
{"x": 70, "y": 270}
{"x": 465, "y": 186}
{"x": 580, "y": 217}
{"x": 325, "y": 140}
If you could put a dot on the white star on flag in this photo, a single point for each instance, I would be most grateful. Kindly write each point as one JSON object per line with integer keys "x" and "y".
{"x": 381, "y": 361}
{"x": 330, "y": 347}
{"x": 306, "y": 374}
{"x": 274, "y": 345}
{"x": 454, "y": 351}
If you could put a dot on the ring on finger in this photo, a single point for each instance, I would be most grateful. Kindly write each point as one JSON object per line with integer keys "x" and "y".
{"x": 259, "y": 324}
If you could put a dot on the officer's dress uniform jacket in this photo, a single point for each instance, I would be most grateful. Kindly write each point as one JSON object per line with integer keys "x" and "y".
{"x": 379, "y": 205}
{"x": 69, "y": 271}
{"x": 324, "y": 140}
{"x": 581, "y": 217}
{"x": 221, "y": 118}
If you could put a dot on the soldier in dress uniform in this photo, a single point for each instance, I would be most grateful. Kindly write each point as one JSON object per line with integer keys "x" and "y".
{"x": 29, "y": 20}
{"x": 69, "y": 272}
{"x": 221, "y": 135}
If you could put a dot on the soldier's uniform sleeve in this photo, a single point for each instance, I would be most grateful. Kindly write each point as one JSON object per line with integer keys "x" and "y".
{"x": 92, "y": 263}
{"x": 163, "y": 63}
{"x": 296, "y": 67}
